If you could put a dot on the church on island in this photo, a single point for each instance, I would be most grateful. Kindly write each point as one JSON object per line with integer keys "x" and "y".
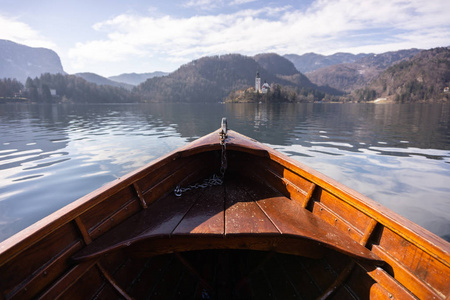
{"x": 258, "y": 88}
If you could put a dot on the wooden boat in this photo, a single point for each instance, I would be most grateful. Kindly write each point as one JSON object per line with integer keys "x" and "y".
{"x": 273, "y": 228}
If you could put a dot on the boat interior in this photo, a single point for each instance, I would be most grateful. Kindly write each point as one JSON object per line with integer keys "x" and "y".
{"x": 270, "y": 230}
{"x": 239, "y": 240}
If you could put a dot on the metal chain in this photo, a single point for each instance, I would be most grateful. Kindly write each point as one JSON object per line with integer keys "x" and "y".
{"x": 214, "y": 179}
{"x": 208, "y": 182}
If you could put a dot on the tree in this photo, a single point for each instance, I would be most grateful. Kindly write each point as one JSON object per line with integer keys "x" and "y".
{"x": 10, "y": 87}
{"x": 46, "y": 94}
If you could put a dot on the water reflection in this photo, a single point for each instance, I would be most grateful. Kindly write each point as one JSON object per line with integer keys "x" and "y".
{"x": 399, "y": 155}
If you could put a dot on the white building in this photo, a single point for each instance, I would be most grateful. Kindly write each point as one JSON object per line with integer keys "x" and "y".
{"x": 257, "y": 83}
{"x": 265, "y": 88}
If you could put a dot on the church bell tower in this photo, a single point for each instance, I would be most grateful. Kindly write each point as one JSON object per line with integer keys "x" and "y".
{"x": 257, "y": 83}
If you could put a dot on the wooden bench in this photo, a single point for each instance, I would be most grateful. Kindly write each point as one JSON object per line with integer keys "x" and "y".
{"x": 233, "y": 216}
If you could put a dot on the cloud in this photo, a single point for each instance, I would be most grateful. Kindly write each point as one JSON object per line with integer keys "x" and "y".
{"x": 239, "y": 2}
{"x": 204, "y": 4}
{"x": 324, "y": 27}
{"x": 22, "y": 33}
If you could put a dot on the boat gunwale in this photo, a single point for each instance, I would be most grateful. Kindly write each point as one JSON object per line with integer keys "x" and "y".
{"x": 425, "y": 240}
{"x": 408, "y": 230}
{"x": 20, "y": 241}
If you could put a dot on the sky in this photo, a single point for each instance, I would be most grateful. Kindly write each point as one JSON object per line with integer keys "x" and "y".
{"x": 111, "y": 37}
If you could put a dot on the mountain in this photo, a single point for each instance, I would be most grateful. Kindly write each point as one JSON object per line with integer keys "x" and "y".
{"x": 283, "y": 69}
{"x": 276, "y": 64}
{"x": 135, "y": 78}
{"x": 211, "y": 79}
{"x": 208, "y": 79}
{"x": 420, "y": 78}
{"x": 100, "y": 80}
{"x": 355, "y": 75}
{"x": 287, "y": 74}
{"x": 20, "y": 61}
{"x": 311, "y": 61}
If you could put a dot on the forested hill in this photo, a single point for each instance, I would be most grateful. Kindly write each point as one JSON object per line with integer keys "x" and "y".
{"x": 136, "y": 78}
{"x": 70, "y": 88}
{"x": 351, "y": 76}
{"x": 100, "y": 80}
{"x": 421, "y": 78}
{"x": 284, "y": 70}
{"x": 210, "y": 79}
{"x": 310, "y": 62}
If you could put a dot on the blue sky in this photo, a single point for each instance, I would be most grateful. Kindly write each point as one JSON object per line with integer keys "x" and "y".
{"x": 110, "y": 37}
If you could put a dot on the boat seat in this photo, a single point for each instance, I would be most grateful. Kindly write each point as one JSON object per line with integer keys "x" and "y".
{"x": 226, "y": 217}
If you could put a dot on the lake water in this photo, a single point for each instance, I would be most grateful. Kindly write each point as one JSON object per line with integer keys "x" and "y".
{"x": 396, "y": 154}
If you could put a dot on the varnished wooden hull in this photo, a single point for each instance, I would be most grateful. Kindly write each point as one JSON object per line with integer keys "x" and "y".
{"x": 274, "y": 229}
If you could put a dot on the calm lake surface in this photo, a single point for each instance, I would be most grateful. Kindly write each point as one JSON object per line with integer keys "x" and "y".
{"x": 396, "y": 154}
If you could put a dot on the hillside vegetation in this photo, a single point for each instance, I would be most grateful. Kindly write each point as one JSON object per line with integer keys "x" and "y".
{"x": 36, "y": 74}
{"x": 136, "y": 78}
{"x": 210, "y": 79}
{"x": 70, "y": 88}
{"x": 348, "y": 77}
{"x": 310, "y": 62}
{"x": 100, "y": 80}
{"x": 421, "y": 78}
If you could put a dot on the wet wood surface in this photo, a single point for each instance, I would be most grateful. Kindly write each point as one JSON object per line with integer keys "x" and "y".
{"x": 269, "y": 203}
{"x": 240, "y": 209}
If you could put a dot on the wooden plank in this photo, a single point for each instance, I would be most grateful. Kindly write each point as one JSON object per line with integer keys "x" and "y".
{"x": 406, "y": 277}
{"x": 84, "y": 233}
{"x": 165, "y": 288}
{"x": 360, "y": 284}
{"x": 243, "y": 215}
{"x": 108, "y": 292}
{"x": 123, "y": 213}
{"x": 113, "y": 282}
{"x": 149, "y": 278}
{"x": 308, "y": 195}
{"x": 203, "y": 281}
{"x": 158, "y": 175}
{"x": 158, "y": 220}
{"x": 194, "y": 172}
{"x": 417, "y": 261}
{"x": 354, "y": 217}
{"x": 16, "y": 273}
{"x": 206, "y": 216}
{"x": 100, "y": 212}
{"x": 298, "y": 276}
{"x": 335, "y": 220}
{"x": 114, "y": 261}
{"x": 224, "y": 277}
{"x": 129, "y": 271}
{"x": 391, "y": 285}
{"x": 291, "y": 219}
{"x": 318, "y": 271}
{"x": 180, "y": 172}
{"x": 185, "y": 289}
{"x": 139, "y": 194}
{"x": 46, "y": 275}
{"x": 343, "y": 275}
{"x": 86, "y": 287}
{"x": 64, "y": 283}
